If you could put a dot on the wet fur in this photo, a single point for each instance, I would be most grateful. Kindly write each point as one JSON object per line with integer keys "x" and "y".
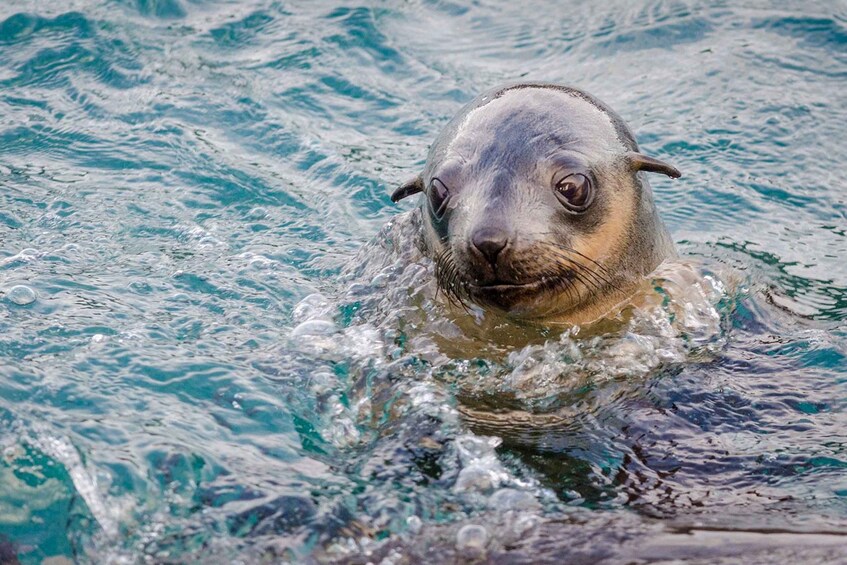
{"x": 574, "y": 268}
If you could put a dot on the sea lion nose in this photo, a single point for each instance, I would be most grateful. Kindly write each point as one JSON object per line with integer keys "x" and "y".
{"x": 490, "y": 241}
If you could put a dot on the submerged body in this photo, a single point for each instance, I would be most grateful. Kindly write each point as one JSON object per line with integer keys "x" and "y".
{"x": 533, "y": 206}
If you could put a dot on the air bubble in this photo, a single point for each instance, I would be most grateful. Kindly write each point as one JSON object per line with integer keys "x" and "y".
{"x": 414, "y": 524}
{"x": 21, "y": 295}
{"x": 258, "y": 213}
{"x": 512, "y": 499}
{"x": 471, "y": 540}
{"x": 314, "y": 328}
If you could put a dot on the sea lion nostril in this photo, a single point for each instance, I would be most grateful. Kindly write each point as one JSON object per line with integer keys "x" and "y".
{"x": 490, "y": 242}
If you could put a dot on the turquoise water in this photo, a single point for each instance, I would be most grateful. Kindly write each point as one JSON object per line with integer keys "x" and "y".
{"x": 197, "y": 364}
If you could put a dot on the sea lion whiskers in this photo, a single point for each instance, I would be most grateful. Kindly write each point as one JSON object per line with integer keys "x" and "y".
{"x": 599, "y": 275}
{"x": 448, "y": 277}
{"x": 567, "y": 263}
{"x": 568, "y": 272}
{"x": 600, "y": 268}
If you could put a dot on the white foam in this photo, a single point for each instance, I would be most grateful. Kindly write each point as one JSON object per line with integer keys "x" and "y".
{"x": 108, "y": 515}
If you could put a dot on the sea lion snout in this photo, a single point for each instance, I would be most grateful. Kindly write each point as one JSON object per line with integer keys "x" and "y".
{"x": 489, "y": 241}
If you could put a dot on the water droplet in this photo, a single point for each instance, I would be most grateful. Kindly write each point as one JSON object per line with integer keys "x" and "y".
{"x": 21, "y": 295}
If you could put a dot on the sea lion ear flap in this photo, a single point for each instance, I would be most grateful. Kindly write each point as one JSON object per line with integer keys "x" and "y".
{"x": 641, "y": 162}
{"x": 414, "y": 186}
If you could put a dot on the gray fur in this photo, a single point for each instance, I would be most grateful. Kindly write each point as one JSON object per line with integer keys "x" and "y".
{"x": 497, "y": 157}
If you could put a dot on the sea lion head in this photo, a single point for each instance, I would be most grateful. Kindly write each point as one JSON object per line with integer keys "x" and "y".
{"x": 532, "y": 204}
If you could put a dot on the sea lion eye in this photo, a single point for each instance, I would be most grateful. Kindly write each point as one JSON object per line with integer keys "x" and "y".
{"x": 575, "y": 192}
{"x": 438, "y": 197}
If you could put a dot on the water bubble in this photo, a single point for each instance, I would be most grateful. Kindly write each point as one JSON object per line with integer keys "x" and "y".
{"x": 259, "y": 262}
{"x": 481, "y": 470}
{"x": 381, "y": 280}
{"x": 523, "y": 524}
{"x": 478, "y": 478}
{"x": 472, "y": 448}
{"x": 313, "y": 306}
{"x": 21, "y": 295}
{"x": 314, "y": 328}
{"x": 257, "y": 213}
{"x": 513, "y": 499}
{"x": 393, "y": 558}
{"x": 140, "y": 287}
{"x": 414, "y": 524}
{"x": 25, "y": 256}
{"x": 471, "y": 540}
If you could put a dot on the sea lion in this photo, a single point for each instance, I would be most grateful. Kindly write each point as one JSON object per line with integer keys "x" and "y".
{"x": 533, "y": 206}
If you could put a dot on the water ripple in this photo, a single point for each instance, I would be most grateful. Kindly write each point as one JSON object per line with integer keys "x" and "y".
{"x": 195, "y": 361}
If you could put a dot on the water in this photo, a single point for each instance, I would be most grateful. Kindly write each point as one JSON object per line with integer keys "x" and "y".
{"x": 198, "y": 363}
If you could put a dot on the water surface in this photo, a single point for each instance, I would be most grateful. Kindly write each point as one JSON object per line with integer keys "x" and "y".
{"x": 196, "y": 363}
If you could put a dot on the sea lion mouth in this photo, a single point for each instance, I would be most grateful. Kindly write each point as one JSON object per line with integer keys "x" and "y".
{"x": 518, "y": 288}
{"x": 506, "y": 295}
{"x": 503, "y": 286}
